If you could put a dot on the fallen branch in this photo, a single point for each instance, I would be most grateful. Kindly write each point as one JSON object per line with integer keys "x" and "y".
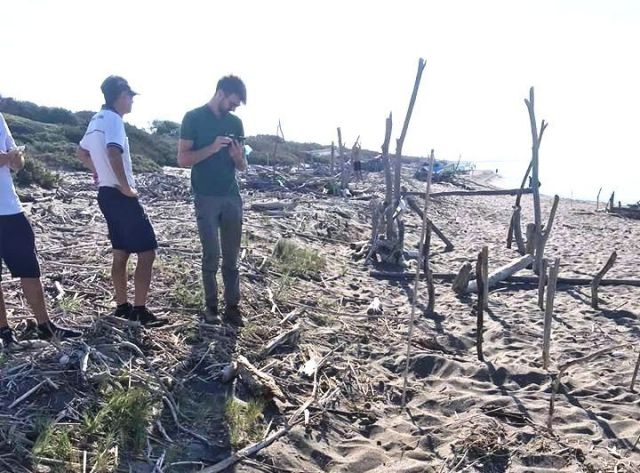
{"x": 503, "y": 272}
{"x": 473, "y": 193}
{"x": 258, "y": 382}
{"x": 290, "y": 335}
{"x": 598, "y": 279}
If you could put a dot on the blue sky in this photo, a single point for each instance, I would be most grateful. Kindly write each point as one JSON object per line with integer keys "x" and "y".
{"x": 318, "y": 65}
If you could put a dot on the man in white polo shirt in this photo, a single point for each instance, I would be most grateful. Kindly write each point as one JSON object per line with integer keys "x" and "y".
{"x": 18, "y": 249}
{"x": 104, "y": 149}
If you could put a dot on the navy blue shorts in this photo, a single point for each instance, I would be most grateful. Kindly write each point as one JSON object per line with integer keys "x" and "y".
{"x": 18, "y": 246}
{"x": 129, "y": 227}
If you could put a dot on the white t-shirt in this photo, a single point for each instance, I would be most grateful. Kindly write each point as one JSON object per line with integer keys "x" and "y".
{"x": 106, "y": 128}
{"x": 9, "y": 202}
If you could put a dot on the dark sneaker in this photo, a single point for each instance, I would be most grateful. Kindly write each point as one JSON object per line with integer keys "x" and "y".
{"x": 233, "y": 316}
{"x": 49, "y": 330}
{"x": 123, "y": 310}
{"x": 146, "y": 317}
{"x": 211, "y": 316}
{"x": 8, "y": 338}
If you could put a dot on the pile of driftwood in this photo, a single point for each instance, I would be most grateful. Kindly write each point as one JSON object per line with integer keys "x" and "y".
{"x": 279, "y": 357}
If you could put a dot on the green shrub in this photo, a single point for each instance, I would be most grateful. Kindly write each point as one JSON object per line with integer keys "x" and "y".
{"x": 34, "y": 172}
{"x": 294, "y": 259}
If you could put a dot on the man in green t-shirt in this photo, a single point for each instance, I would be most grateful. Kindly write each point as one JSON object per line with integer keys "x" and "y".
{"x": 210, "y": 144}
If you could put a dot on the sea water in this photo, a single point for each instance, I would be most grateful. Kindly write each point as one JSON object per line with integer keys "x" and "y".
{"x": 571, "y": 180}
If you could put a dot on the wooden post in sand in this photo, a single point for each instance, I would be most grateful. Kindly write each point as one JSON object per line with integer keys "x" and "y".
{"x": 481, "y": 278}
{"x": 333, "y": 157}
{"x": 388, "y": 178}
{"x": 514, "y": 227}
{"x": 400, "y": 141}
{"x": 598, "y": 278}
{"x": 548, "y": 313}
{"x": 341, "y": 154}
{"x": 423, "y": 233}
{"x": 431, "y": 291}
{"x": 535, "y": 183}
{"x": 635, "y": 374}
{"x": 541, "y": 283}
{"x": 531, "y": 239}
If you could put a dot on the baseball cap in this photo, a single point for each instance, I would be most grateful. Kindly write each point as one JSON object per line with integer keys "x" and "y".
{"x": 113, "y": 86}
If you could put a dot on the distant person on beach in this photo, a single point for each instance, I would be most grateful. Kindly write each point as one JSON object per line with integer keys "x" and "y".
{"x": 210, "y": 144}
{"x": 104, "y": 150}
{"x": 18, "y": 248}
{"x": 357, "y": 164}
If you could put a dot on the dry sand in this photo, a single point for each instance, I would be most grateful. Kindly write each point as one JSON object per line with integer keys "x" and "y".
{"x": 464, "y": 415}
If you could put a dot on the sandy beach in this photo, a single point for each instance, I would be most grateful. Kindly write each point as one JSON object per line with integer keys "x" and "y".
{"x": 463, "y": 414}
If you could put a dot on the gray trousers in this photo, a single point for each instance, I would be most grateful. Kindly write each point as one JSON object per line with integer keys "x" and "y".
{"x": 220, "y": 228}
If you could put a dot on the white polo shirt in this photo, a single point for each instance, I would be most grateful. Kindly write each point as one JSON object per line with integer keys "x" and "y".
{"x": 106, "y": 128}
{"x": 9, "y": 202}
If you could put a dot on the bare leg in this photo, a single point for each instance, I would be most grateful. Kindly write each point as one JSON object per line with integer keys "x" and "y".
{"x": 34, "y": 294}
{"x": 119, "y": 275}
{"x": 142, "y": 276}
{"x": 3, "y": 311}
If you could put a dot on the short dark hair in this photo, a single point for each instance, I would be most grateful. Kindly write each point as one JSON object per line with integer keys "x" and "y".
{"x": 233, "y": 85}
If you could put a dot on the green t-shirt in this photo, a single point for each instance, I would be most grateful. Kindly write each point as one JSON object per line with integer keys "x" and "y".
{"x": 215, "y": 175}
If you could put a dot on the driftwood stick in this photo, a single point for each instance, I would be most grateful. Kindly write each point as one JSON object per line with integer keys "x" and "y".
{"x": 423, "y": 232}
{"x": 399, "y": 143}
{"x": 461, "y": 280}
{"x": 548, "y": 314}
{"x": 503, "y": 272}
{"x": 515, "y": 231}
{"x": 544, "y": 235}
{"x": 568, "y": 365}
{"x": 258, "y": 382}
{"x": 481, "y": 284}
{"x": 598, "y": 278}
{"x": 541, "y": 284}
{"x": 413, "y": 205}
{"x": 431, "y": 292}
{"x": 485, "y": 276}
{"x": 31, "y": 391}
{"x": 449, "y": 277}
{"x": 535, "y": 182}
{"x": 387, "y": 177}
{"x": 635, "y": 373}
{"x": 472, "y": 193}
{"x": 598, "y": 199}
{"x": 290, "y": 335}
{"x": 531, "y": 239}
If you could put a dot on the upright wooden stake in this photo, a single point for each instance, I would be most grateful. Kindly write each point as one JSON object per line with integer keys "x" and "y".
{"x": 531, "y": 239}
{"x": 387, "y": 178}
{"x": 483, "y": 256}
{"x": 485, "y": 276}
{"x": 596, "y": 280}
{"x": 512, "y": 227}
{"x": 341, "y": 155}
{"x": 403, "y": 134}
{"x": 548, "y": 313}
{"x": 431, "y": 292}
{"x": 333, "y": 157}
{"x": 535, "y": 182}
{"x": 541, "y": 283}
{"x": 423, "y": 232}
